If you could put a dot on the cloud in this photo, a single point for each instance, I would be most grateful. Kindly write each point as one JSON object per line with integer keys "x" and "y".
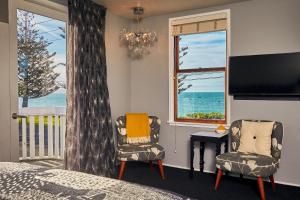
{"x": 48, "y": 26}
{"x": 60, "y": 58}
{"x": 46, "y": 30}
{"x": 61, "y": 90}
{"x": 204, "y": 50}
{"x": 203, "y": 38}
{"x": 61, "y": 69}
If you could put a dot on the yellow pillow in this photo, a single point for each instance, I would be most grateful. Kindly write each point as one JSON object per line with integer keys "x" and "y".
{"x": 256, "y": 137}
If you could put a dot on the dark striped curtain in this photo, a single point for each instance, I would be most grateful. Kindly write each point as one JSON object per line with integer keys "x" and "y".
{"x": 89, "y": 137}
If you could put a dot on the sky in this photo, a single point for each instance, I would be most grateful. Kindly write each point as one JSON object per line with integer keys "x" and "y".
{"x": 48, "y": 28}
{"x": 205, "y": 50}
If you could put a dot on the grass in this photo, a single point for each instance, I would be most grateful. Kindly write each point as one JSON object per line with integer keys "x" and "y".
{"x": 202, "y": 115}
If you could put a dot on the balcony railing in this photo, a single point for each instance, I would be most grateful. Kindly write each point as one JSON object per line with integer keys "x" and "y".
{"x": 42, "y": 133}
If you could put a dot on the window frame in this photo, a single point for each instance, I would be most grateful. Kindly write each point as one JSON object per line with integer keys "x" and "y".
{"x": 174, "y": 70}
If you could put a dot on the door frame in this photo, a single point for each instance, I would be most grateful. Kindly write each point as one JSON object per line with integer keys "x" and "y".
{"x": 45, "y": 8}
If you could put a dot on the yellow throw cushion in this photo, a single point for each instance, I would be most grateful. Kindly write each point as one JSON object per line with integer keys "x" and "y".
{"x": 137, "y": 128}
{"x": 256, "y": 137}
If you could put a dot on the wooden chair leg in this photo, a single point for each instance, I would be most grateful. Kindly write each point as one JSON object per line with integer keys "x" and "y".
{"x": 121, "y": 170}
{"x": 151, "y": 165}
{"x": 261, "y": 188}
{"x": 272, "y": 182}
{"x": 218, "y": 180}
{"x": 161, "y": 169}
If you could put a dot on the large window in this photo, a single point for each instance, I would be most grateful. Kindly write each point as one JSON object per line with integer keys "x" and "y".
{"x": 200, "y": 61}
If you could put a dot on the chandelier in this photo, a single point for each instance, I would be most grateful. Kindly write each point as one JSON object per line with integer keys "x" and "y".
{"x": 140, "y": 40}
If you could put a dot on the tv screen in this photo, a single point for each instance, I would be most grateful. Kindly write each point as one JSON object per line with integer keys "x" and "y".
{"x": 265, "y": 75}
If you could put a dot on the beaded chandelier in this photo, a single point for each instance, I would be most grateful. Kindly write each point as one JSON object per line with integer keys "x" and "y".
{"x": 140, "y": 40}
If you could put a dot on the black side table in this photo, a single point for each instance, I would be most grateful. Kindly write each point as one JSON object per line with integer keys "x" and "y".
{"x": 204, "y": 137}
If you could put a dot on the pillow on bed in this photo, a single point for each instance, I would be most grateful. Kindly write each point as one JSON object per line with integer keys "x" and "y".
{"x": 256, "y": 137}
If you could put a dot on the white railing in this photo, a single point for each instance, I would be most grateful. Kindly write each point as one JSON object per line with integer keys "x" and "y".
{"x": 42, "y": 133}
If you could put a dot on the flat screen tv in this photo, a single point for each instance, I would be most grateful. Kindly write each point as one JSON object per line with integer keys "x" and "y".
{"x": 272, "y": 75}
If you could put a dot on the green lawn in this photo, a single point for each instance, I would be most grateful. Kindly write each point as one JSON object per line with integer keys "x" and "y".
{"x": 36, "y": 120}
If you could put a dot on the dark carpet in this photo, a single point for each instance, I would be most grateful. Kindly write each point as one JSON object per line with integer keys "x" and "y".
{"x": 202, "y": 185}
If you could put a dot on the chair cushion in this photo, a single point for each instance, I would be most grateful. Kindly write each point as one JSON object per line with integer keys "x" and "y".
{"x": 140, "y": 152}
{"x": 256, "y": 137}
{"x": 277, "y": 136}
{"x": 247, "y": 164}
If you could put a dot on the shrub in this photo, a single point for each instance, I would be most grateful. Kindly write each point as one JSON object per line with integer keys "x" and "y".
{"x": 202, "y": 115}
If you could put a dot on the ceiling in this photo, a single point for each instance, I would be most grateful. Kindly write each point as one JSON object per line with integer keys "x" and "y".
{"x": 159, "y": 7}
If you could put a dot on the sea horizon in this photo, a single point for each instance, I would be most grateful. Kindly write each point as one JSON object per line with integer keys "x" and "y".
{"x": 200, "y": 102}
{"x": 188, "y": 102}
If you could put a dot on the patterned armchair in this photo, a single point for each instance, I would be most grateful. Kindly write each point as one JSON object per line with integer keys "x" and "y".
{"x": 259, "y": 166}
{"x": 139, "y": 152}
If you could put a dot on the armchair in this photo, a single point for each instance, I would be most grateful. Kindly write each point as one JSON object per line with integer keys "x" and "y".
{"x": 151, "y": 151}
{"x": 259, "y": 166}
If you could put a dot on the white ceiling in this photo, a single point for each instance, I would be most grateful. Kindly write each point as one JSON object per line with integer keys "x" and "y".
{"x": 159, "y": 7}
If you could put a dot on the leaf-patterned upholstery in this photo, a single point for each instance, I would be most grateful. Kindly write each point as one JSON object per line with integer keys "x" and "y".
{"x": 139, "y": 152}
{"x": 248, "y": 163}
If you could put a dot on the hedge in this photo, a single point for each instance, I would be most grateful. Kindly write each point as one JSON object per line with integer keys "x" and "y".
{"x": 202, "y": 115}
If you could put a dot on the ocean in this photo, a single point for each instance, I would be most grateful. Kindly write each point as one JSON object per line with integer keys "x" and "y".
{"x": 188, "y": 102}
{"x": 51, "y": 100}
{"x": 206, "y": 102}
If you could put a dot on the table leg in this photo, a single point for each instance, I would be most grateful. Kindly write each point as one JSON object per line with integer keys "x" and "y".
{"x": 218, "y": 151}
{"x": 226, "y": 146}
{"x": 192, "y": 158}
{"x": 225, "y": 151}
{"x": 202, "y": 149}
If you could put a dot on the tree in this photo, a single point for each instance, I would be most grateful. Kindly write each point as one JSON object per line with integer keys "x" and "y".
{"x": 181, "y": 77}
{"x": 37, "y": 77}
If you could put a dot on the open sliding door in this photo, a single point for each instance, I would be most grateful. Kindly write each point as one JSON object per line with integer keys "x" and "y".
{"x": 37, "y": 80}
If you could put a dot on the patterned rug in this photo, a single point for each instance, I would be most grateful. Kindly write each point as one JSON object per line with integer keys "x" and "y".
{"x": 25, "y": 181}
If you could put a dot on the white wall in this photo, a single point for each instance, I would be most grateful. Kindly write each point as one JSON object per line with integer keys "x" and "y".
{"x": 118, "y": 66}
{"x": 257, "y": 27}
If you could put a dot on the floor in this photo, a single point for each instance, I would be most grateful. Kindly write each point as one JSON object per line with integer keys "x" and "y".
{"x": 50, "y": 163}
{"x": 200, "y": 187}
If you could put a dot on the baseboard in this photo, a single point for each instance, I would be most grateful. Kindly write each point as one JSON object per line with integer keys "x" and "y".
{"x": 211, "y": 172}
{"x": 287, "y": 183}
{"x": 187, "y": 168}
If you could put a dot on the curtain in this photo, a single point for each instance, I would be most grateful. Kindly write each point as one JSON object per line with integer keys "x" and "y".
{"x": 89, "y": 137}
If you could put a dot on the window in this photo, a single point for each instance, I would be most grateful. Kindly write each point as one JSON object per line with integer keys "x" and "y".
{"x": 199, "y": 74}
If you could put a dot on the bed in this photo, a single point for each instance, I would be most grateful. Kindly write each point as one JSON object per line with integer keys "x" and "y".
{"x": 26, "y": 181}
